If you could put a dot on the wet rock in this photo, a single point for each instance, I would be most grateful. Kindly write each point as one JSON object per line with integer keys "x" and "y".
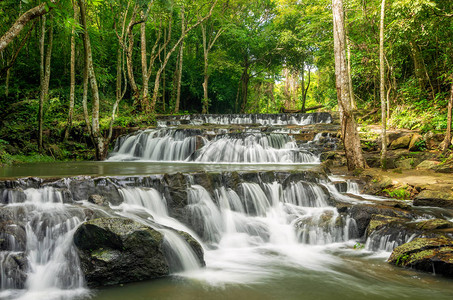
{"x": 434, "y": 198}
{"x": 83, "y": 187}
{"x": 363, "y": 213}
{"x": 401, "y": 142}
{"x": 98, "y": 200}
{"x": 116, "y": 250}
{"x": 15, "y": 267}
{"x": 195, "y": 246}
{"x": 434, "y": 224}
{"x": 379, "y": 221}
{"x": 12, "y": 236}
{"x": 425, "y": 254}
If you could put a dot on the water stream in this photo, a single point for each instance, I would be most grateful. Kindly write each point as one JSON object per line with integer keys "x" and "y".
{"x": 270, "y": 229}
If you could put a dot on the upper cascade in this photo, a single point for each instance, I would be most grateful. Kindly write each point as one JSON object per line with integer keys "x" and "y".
{"x": 262, "y": 119}
{"x": 237, "y": 144}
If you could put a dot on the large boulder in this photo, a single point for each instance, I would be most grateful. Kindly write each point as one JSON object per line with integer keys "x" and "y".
{"x": 117, "y": 250}
{"x": 425, "y": 254}
{"x": 401, "y": 142}
{"x": 434, "y": 198}
{"x": 415, "y": 142}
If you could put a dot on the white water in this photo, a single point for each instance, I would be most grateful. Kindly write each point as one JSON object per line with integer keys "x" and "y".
{"x": 190, "y": 146}
{"x": 53, "y": 269}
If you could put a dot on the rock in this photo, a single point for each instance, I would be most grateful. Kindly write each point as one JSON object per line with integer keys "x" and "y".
{"x": 434, "y": 224}
{"x": 446, "y": 167}
{"x": 405, "y": 164}
{"x": 98, "y": 200}
{"x": 401, "y": 142}
{"x": 427, "y": 164}
{"x": 379, "y": 221}
{"x": 425, "y": 254}
{"x": 117, "y": 250}
{"x": 432, "y": 140}
{"x": 415, "y": 140}
{"x": 14, "y": 270}
{"x": 363, "y": 213}
{"x": 434, "y": 198}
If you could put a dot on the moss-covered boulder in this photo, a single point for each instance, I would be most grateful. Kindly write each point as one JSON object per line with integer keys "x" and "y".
{"x": 425, "y": 254}
{"x": 401, "y": 142}
{"x": 119, "y": 250}
{"x": 437, "y": 198}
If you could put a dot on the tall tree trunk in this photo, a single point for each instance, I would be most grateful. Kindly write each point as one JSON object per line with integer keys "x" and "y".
{"x": 447, "y": 140}
{"x": 144, "y": 101}
{"x": 181, "y": 57}
{"x": 129, "y": 52}
{"x": 245, "y": 85}
{"x": 45, "y": 77}
{"x": 72, "y": 78}
{"x": 382, "y": 90}
{"x": 96, "y": 136}
{"x": 207, "y": 46}
{"x": 348, "y": 48}
{"x": 349, "y": 132}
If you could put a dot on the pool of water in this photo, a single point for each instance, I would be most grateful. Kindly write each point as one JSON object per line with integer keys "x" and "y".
{"x": 104, "y": 168}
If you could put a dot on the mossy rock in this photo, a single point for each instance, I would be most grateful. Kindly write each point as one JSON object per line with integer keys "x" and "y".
{"x": 434, "y": 198}
{"x": 425, "y": 254}
{"x": 434, "y": 224}
{"x": 379, "y": 221}
{"x": 118, "y": 250}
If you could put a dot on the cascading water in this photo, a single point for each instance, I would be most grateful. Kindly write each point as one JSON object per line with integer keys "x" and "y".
{"x": 255, "y": 227}
{"x": 191, "y": 146}
{"x": 262, "y": 119}
{"x": 46, "y": 262}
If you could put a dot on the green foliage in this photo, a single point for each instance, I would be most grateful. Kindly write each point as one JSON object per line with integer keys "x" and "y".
{"x": 399, "y": 193}
{"x": 359, "y": 246}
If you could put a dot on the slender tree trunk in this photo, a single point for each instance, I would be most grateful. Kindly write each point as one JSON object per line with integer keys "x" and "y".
{"x": 350, "y": 135}
{"x": 348, "y": 48}
{"x": 205, "y": 102}
{"x": 178, "y": 83}
{"x": 245, "y": 86}
{"x": 382, "y": 90}
{"x": 8, "y": 74}
{"x": 302, "y": 83}
{"x": 22, "y": 21}
{"x": 129, "y": 52}
{"x": 45, "y": 73}
{"x": 447, "y": 140}
{"x": 72, "y": 78}
{"x": 167, "y": 57}
{"x": 96, "y": 136}
{"x": 306, "y": 89}
{"x": 144, "y": 103}
{"x": 181, "y": 57}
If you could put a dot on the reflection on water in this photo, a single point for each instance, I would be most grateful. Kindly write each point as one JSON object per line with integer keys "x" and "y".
{"x": 353, "y": 276}
{"x": 64, "y": 169}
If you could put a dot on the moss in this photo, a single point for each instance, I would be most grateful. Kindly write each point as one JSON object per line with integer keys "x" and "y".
{"x": 434, "y": 224}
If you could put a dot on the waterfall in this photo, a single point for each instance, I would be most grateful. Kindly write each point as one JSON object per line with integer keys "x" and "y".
{"x": 262, "y": 119}
{"x": 46, "y": 262}
{"x": 191, "y": 146}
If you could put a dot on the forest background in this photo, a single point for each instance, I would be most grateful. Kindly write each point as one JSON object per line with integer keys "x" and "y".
{"x": 80, "y": 69}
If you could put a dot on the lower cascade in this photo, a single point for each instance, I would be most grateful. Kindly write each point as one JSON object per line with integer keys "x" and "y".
{"x": 59, "y": 238}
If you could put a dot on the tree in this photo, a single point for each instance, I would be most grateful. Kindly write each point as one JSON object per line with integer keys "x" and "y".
{"x": 44, "y": 75}
{"x": 349, "y": 132}
{"x": 382, "y": 89}
{"x": 22, "y": 21}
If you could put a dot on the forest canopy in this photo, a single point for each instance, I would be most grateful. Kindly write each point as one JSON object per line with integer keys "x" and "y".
{"x": 103, "y": 63}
